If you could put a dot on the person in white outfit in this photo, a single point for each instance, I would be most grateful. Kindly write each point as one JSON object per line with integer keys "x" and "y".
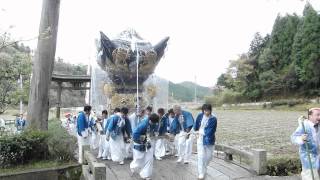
{"x": 160, "y": 148}
{"x": 307, "y": 136}
{"x": 82, "y": 129}
{"x": 116, "y": 142}
{"x": 181, "y": 127}
{"x": 205, "y": 127}
{"x": 172, "y": 144}
{"x": 143, "y": 148}
{"x": 104, "y": 149}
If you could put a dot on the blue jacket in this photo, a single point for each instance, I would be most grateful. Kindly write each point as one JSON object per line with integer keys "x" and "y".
{"x": 142, "y": 129}
{"x": 82, "y": 123}
{"x": 127, "y": 127}
{"x": 92, "y": 123}
{"x": 163, "y": 125}
{"x": 20, "y": 124}
{"x": 187, "y": 124}
{"x": 209, "y": 137}
{"x": 113, "y": 127}
{"x": 313, "y": 146}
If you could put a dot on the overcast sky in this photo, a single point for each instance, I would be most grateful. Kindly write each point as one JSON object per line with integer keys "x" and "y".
{"x": 204, "y": 34}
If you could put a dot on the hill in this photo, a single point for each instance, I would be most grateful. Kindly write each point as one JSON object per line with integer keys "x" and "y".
{"x": 185, "y": 91}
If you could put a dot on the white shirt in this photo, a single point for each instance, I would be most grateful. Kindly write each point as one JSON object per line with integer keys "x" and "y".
{"x": 203, "y": 124}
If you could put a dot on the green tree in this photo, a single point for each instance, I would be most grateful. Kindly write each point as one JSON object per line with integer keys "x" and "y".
{"x": 15, "y": 60}
{"x": 306, "y": 48}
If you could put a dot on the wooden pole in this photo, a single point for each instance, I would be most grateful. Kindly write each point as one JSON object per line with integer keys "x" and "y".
{"x": 59, "y": 90}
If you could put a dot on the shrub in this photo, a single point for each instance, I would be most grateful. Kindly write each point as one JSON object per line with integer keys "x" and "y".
{"x": 283, "y": 166}
{"x": 55, "y": 144}
{"x": 21, "y": 149}
{"x": 289, "y": 103}
{"x": 62, "y": 146}
{"x": 225, "y": 97}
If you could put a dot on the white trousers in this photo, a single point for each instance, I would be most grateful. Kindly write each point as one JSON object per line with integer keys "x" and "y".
{"x": 184, "y": 146}
{"x": 205, "y": 154}
{"x": 306, "y": 174}
{"x": 81, "y": 141}
{"x": 160, "y": 149}
{"x": 117, "y": 148}
{"x": 104, "y": 148}
{"x": 94, "y": 140}
{"x": 128, "y": 149}
{"x": 142, "y": 162}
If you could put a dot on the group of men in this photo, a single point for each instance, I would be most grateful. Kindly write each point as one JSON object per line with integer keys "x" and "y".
{"x": 145, "y": 135}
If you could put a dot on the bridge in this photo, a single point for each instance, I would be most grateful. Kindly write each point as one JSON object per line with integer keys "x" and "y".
{"x": 228, "y": 163}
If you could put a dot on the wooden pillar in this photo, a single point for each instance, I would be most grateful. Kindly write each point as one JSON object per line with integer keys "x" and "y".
{"x": 59, "y": 90}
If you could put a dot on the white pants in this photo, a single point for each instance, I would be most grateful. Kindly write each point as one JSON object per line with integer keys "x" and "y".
{"x": 205, "y": 153}
{"x": 128, "y": 147}
{"x": 104, "y": 148}
{"x": 94, "y": 140}
{"x": 143, "y": 162}
{"x": 81, "y": 141}
{"x": 160, "y": 149}
{"x": 306, "y": 174}
{"x": 117, "y": 148}
{"x": 184, "y": 146}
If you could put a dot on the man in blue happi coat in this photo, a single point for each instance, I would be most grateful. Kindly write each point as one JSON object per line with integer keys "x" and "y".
{"x": 20, "y": 123}
{"x": 143, "y": 148}
{"x": 115, "y": 130}
{"x": 205, "y": 126}
{"x": 160, "y": 149}
{"x": 181, "y": 127}
{"x": 82, "y": 129}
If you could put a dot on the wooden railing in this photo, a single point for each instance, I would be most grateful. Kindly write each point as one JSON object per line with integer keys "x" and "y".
{"x": 255, "y": 160}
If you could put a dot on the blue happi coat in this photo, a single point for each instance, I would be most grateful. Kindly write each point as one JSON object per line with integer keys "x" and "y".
{"x": 142, "y": 129}
{"x": 82, "y": 123}
{"x": 313, "y": 146}
{"x": 187, "y": 124}
{"x": 113, "y": 126}
{"x": 20, "y": 123}
{"x": 209, "y": 137}
{"x": 162, "y": 127}
{"x": 127, "y": 127}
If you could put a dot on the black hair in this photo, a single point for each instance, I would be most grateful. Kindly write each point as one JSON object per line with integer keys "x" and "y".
{"x": 116, "y": 110}
{"x": 161, "y": 111}
{"x": 124, "y": 110}
{"x": 87, "y": 108}
{"x": 171, "y": 111}
{"x": 149, "y": 108}
{"x": 154, "y": 118}
{"x": 207, "y": 107}
{"x": 105, "y": 112}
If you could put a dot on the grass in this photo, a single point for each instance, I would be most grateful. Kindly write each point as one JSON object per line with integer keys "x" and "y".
{"x": 36, "y": 165}
{"x": 299, "y": 107}
{"x": 266, "y": 129}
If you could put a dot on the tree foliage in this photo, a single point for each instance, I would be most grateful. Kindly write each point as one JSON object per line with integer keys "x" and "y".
{"x": 282, "y": 64}
{"x": 15, "y": 60}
